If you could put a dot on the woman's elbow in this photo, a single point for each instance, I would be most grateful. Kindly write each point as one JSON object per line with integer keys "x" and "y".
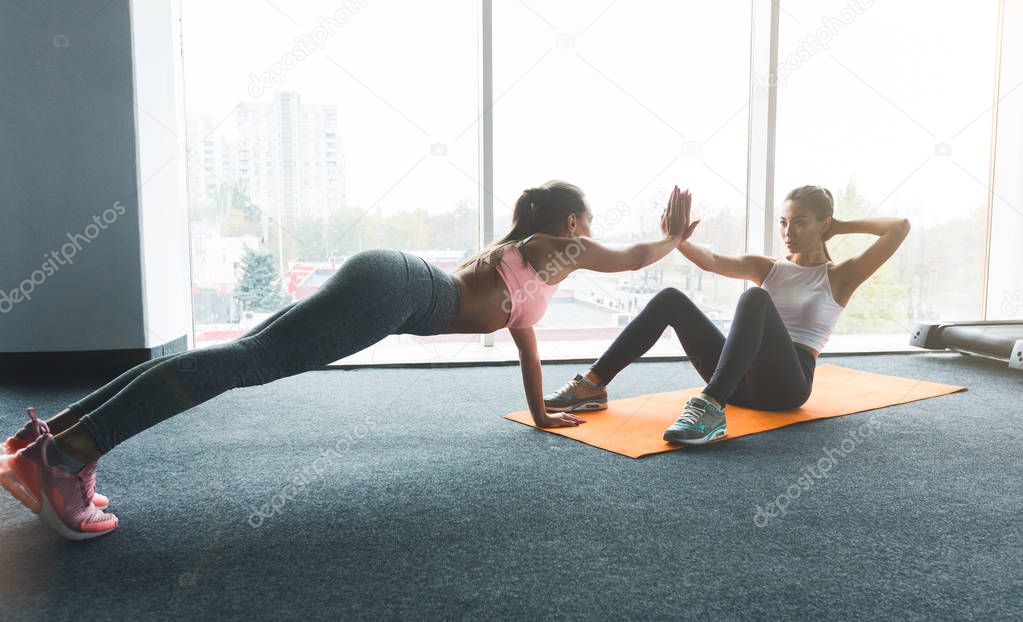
{"x": 903, "y": 227}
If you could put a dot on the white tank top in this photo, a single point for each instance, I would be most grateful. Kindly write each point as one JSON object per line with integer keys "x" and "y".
{"x": 802, "y": 295}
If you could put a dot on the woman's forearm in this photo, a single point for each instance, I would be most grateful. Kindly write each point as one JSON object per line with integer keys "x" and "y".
{"x": 876, "y": 226}
{"x": 532, "y": 382}
{"x": 699, "y": 255}
{"x": 652, "y": 252}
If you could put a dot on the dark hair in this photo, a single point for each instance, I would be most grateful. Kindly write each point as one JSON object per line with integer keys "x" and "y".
{"x": 542, "y": 209}
{"x": 818, "y": 200}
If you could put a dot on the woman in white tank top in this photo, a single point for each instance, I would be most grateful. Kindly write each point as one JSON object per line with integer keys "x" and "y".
{"x": 768, "y": 358}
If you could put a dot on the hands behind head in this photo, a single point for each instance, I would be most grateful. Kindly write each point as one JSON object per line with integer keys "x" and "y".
{"x": 830, "y": 232}
{"x": 675, "y": 221}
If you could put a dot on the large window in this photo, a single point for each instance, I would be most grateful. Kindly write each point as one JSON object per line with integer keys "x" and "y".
{"x": 315, "y": 132}
{"x": 1005, "y": 288}
{"x": 888, "y": 104}
{"x": 625, "y": 101}
{"x": 319, "y": 129}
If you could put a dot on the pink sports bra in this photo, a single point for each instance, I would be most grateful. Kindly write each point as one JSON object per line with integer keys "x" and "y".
{"x": 528, "y": 294}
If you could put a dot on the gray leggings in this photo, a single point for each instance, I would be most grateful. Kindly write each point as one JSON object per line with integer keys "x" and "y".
{"x": 375, "y": 293}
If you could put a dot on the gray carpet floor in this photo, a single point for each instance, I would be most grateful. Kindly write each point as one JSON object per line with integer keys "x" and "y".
{"x": 402, "y": 493}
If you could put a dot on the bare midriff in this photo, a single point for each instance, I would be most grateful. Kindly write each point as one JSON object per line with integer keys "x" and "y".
{"x": 483, "y": 293}
{"x": 480, "y": 296}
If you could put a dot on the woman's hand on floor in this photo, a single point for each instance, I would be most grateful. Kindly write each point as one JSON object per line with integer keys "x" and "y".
{"x": 559, "y": 420}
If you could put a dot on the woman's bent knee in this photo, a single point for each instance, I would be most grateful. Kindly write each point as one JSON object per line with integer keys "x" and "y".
{"x": 670, "y": 296}
{"x": 756, "y": 293}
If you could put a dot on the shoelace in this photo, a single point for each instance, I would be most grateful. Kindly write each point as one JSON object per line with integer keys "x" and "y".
{"x": 691, "y": 414}
{"x": 39, "y": 426}
{"x": 87, "y": 481}
{"x": 86, "y": 477}
{"x": 567, "y": 387}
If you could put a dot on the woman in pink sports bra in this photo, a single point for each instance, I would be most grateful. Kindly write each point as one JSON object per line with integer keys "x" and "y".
{"x": 509, "y": 283}
{"x": 50, "y": 466}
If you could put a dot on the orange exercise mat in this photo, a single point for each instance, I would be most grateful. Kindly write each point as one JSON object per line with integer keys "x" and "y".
{"x": 633, "y": 426}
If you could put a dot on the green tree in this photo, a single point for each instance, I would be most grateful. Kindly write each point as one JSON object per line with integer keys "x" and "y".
{"x": 260, "y": 285}
{"x": 235, "y": 223}
{"x": 350, "y": 229}
{"x": 222, "y": 199}
{"x": 240, "y": 201}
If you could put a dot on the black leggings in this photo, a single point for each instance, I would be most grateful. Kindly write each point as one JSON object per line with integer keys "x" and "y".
{"x": 375, "y": 293}
{"x": 757, "y": 366}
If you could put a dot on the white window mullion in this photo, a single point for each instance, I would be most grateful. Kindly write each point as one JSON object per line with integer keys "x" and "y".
{"x": 486, "y": 133}
{"x": 763, "y": 100}
{"x": 996, "y": 98}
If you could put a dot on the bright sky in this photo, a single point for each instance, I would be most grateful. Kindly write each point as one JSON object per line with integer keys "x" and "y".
{"x": 622, "y": 98}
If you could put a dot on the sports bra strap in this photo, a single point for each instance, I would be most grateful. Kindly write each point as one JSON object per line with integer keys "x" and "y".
{"x": 524, "y": 240}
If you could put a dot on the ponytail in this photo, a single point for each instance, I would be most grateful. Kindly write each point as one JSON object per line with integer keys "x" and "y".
{"x": 537, "y": 210}
{"x": 831, "y": 200}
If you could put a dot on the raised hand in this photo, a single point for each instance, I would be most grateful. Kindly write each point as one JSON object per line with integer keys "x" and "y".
{"x": 832, "y": 229}
{"x": 676, "y": 219}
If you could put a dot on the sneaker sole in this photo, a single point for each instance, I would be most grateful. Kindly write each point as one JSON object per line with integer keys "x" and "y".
{"x": 713, "y": 436}
{"x": 579, "y": 407}
{"x": 19, "y": 482}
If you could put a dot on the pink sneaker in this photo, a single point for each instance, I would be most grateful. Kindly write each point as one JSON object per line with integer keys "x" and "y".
{"x": 28, "y": 435}
{"x": 60, "y": 498}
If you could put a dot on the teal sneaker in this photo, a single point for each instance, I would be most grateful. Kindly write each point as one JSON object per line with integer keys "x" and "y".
{"x": 701, "y": 422}
{"x": 578, "y": 395}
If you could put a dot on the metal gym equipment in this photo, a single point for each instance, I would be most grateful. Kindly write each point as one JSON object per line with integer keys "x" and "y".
{"x": 999, "y": 339}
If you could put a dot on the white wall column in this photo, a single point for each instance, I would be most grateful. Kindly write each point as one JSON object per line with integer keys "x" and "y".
{"x": 93, "y": 218}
